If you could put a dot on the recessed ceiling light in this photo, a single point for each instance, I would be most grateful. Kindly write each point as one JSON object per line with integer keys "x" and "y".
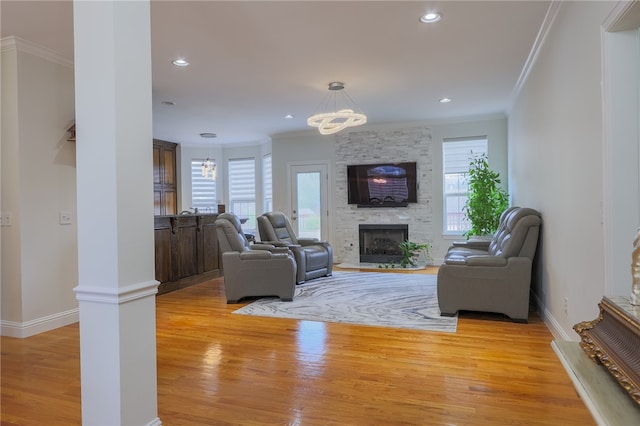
{"x": 208, "y": 135}
{"x": 180, "y": 62}
{"x": 430, "y": 18}
{"x": 170, "y": 103}
{"x": 445, "y": 100}
{"x": 289, "y": 116}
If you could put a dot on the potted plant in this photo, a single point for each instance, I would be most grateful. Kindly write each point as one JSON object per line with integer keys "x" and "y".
{"x": 487, "y": 199}
{"x": 410, "y": 253}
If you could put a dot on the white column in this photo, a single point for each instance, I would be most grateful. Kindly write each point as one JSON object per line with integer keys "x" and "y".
{"x": 116, "y": 290}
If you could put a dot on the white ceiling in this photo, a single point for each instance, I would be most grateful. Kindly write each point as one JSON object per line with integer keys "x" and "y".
{"x": 254, "y": 62}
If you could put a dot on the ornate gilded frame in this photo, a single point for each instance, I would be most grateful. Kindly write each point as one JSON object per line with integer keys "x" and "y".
{"x": 613, "y": 340}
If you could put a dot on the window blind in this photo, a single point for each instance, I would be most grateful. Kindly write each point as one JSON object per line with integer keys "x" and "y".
{"x": 203, "y": 189}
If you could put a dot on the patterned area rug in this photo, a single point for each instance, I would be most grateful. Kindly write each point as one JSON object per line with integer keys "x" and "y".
{"x": 367, "y": 298}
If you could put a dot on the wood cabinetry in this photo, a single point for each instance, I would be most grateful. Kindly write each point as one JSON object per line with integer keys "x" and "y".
{"x": 186, "y": 246}
{"x": 165, "y": 189}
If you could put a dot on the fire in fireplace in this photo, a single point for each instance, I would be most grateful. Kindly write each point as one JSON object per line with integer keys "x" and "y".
{"x": 381, "y": 243}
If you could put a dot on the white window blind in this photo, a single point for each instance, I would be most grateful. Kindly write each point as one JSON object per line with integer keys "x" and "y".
{"x": 457, "y": 154}
{"x": 267, "y": 189}
{"x": 242, "y": 191}
{"x": 203, "y": 189}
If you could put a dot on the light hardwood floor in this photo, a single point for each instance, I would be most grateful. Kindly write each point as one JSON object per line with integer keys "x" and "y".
{"x": 216, "y": 368}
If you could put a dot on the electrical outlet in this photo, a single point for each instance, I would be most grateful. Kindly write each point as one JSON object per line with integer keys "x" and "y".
{"x": 5, "y": 219}
{"x": 566, "y": 306}
{"x": 65, "y": 217}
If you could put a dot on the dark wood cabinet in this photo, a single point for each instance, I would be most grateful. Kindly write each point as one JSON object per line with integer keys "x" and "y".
{"x": 186, "y": 247}
{"x": 165, "y": 192}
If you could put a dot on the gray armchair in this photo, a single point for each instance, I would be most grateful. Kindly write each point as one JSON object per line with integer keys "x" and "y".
{"x": 313, "y": 257}
{"x": 495, "y": 275}
{"x": 253, "y": 270}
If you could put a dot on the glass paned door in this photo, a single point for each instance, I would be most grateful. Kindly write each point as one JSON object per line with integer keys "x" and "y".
{"x": 309, "y": 200}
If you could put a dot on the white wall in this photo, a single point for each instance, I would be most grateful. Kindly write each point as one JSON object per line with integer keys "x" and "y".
{"x": 621, "y": 156}
{"x": 555, "y": 164}
{"x": 10, "y": 199}
{"x": 39, "y": 256}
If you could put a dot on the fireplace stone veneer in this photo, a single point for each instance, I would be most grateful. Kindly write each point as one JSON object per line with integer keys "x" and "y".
{"x": 381, "y": 243}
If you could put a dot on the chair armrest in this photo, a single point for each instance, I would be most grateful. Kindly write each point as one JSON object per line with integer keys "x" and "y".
{"x": 254, "y": 254}
{"x": 475, "y": 244}
{"x": 476, "y": 260}
{"x": 307, "y": 241}
{"x": 270, "y": 248}
{"x": 262, "y": 246}
{"x": 486, "y": 260}
{"x": 273, "y": 243}
{"x": 280, "y": 250}
{"x": 312, "y": 242}
{"x": 249, "y": 255}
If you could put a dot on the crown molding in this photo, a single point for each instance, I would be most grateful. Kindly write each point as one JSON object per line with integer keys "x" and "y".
{"x": 624, "y": 16}
{"x": 16, "y": 43}
{"x": 552, "y": 12}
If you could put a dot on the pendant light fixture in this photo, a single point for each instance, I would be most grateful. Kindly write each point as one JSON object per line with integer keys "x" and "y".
{"x": 337, "y": 112}
{"x": 208, "y": 167}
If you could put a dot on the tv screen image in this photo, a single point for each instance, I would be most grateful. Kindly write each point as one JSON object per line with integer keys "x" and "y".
{"x": 382, "y": 185}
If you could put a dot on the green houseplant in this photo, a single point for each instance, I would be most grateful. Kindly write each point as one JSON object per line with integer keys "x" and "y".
{"x": 410, "y": 252}
{"x": 486, "y": 200}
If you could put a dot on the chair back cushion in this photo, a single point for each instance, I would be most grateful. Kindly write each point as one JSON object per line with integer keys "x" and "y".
{"x": 230, "y": 235}
{"x": 517, "y": 234}
{"x": 276, "y": 227}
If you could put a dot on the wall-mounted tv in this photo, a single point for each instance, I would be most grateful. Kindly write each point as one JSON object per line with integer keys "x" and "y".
{"x": 382, "y": 185}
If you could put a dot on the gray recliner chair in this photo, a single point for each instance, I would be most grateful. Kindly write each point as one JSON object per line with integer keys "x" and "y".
{"x": 313, "y": 257}
{"x": 253, "y": 270}
{"x": 495, "y": 275}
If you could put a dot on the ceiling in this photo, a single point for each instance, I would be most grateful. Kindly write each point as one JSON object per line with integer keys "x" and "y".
{"x": 252, "y": 63}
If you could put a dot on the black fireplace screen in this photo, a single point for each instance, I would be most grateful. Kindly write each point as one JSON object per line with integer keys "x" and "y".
{"x": 381, "y": 243}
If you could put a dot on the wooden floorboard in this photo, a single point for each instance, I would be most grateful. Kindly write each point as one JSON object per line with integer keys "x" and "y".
{"x": 217, "y": 368}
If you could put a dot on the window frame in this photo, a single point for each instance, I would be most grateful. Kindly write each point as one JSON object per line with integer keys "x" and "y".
{"x": 472, "y": 146}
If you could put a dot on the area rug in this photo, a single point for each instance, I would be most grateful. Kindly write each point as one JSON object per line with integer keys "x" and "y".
{"x": 368, "y": 298}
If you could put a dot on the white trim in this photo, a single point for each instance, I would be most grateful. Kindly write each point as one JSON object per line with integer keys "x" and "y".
{"x": 116, "y": 296}
{"x": 38, "y": 325}
{"x": 552, "y": 324}
{"x": 155, "y": 422}
{"x": 622, "y": 16}
{"x": 624, "y": 12}
{"x": 552, "y": 12}
{"x": 22, "y": 45}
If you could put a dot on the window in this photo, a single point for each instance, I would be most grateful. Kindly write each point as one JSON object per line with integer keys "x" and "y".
{"x": 267, "y": 186}
{"x": 457, "y": 154}
{"x": 203, "y": 189}
{"x": 242, "y": 191}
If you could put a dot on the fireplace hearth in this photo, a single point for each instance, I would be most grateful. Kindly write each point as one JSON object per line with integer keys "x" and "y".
{"x": 381, "y": 243}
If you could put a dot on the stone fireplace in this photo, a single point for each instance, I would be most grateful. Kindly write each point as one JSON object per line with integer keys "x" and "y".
{"x": 381, "y": 243}
{"x": 374, "y": 146}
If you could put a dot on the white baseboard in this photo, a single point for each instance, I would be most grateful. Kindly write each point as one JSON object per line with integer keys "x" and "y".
{"x": 39, "y": 325}
{"x": 551, "y": 322}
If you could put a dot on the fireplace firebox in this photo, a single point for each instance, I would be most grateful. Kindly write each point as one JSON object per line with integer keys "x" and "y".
{"x": 381, "y": 243}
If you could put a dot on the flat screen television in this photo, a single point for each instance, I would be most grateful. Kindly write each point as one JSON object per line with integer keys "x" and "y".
{"x": 382, "y": 185}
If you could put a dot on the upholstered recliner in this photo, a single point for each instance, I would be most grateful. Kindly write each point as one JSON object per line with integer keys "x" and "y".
{"x": 253, "y": 270}
{"x": 313, "y": 257}
{"x": 495, "y": 275}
